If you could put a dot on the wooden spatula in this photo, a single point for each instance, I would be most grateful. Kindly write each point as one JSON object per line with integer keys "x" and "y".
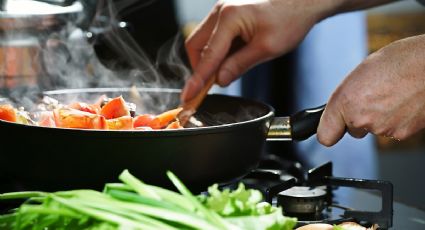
{"x": 190, "y": 107}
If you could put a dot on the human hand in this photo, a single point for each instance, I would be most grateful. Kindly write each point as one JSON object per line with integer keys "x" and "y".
{"x": 384, "y": 95}
{"x": 267, "y": 28}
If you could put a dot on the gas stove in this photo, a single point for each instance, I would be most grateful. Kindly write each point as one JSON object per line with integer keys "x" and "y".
{"x": 312, "y": 195}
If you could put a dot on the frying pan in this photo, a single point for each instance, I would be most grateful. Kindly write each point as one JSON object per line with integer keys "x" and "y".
{"x": 226, "y": 148}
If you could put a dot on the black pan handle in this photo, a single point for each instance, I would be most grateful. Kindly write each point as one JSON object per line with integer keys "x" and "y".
{"x": 304, "y": 123}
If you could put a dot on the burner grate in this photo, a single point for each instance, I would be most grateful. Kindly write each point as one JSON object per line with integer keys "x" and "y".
{"x": 308, "y": 195}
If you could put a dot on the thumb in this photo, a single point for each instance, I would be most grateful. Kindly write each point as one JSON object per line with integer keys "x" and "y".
{"x": 331, "y": 127}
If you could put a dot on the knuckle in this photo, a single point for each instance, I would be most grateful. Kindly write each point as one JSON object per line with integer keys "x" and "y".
{"x": 228, "y": 11}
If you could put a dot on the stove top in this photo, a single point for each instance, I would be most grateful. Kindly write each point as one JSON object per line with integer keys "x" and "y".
{"x": 310, "y": 195}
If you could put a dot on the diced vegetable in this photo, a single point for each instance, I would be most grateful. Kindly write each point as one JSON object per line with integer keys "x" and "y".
{"x": 47, "y": 119}
{"x": 174, "y": 125}
{"x": 72, "y": 118}
{"x": 8, "y": 113}
{"x": 94, "y": 109}
{"x": 115, "y": 108}
{"x": 121, "y": 123}
{"x": 163, "y": 119}
{"x": 143, "y": 120}
{"x": 105, "y": 114}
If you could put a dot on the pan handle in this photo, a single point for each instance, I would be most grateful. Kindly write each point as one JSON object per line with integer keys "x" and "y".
{"x": 304, "y": 123}
{"x": 298, "y": 127}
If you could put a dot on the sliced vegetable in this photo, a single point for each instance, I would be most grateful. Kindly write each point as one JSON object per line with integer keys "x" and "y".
{"x": 8, "y": 113}
{"x": 47, "y": 119}
{"x": 135, "y": 205}
{"x": 174, "y": 125}
{"x": 115, "y": 108}
{"x": 72, "y": 118}
{"x": 163, "y": 119}
{"x": 120, "y": 123}
{"x": 94, "y": 109}
{"x": 143, "y": 120}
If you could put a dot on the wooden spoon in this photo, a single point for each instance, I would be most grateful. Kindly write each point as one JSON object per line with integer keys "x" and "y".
{"x": 190, "y": 107}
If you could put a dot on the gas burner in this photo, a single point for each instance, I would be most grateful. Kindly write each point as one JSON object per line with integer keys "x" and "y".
{"x": 308, "y": 195}
{"x": 302, "y": 200}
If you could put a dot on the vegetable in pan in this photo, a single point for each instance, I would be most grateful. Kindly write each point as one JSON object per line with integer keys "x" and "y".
{"x": 105, "y": 114}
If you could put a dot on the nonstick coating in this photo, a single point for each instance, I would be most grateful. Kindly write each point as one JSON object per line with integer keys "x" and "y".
{"x": 53, "y": 158}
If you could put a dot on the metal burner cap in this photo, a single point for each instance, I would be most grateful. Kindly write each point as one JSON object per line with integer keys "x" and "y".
{"x": 302, "y": 200}
{"x": 303, "y": 192}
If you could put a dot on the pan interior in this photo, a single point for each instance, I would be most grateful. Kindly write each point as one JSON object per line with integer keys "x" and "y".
{"x": 214, "y": 111}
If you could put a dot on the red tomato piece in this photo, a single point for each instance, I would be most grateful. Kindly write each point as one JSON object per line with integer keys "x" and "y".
{"x": 121, "y": 123}
{"x": 163, "y": 119}
{"x": 47, "y": 119}
{"x": 72, "y": 118}
{"x": 85, "y": 107}
{"x": 115, "y": 108}
{"x": 174, "y": 125}
{"x": 8, "y": 113}
{"x": 143, "y": 120}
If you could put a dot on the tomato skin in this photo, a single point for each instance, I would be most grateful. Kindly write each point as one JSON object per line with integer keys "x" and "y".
{"x": 174, "y": 125}
{"x": 143, "y": 120}
{"x": 8, "y": 113}
{"x": 115, "y": 108}
{"x": 121, "y": 123}
{"x": 46, "y": 119}
{"x": 72, "y": 118}
{"x": 94, "y": 109}
{"x": 163, "y": 119}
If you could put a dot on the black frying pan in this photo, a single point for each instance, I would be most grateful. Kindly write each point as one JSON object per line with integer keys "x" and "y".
{"x": 228, "y": 147}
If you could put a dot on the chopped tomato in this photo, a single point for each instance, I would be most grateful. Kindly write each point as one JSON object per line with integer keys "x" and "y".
{"x": 72, "y": 118}
{"x": 115, "y": 108}
{"x": 47, "y": 119}
{"x": 85, "y": 107}
{"x": 143, "y": 120}
{"x": 174, "y": 125}
{"x": 8, "y": 113}
{"x": 121, "y": 123}
{"x": 163, "y": 119}
{"x": 99, "y": 102}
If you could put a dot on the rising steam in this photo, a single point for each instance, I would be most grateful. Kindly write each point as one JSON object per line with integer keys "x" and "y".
{"x": 69, "y": 59}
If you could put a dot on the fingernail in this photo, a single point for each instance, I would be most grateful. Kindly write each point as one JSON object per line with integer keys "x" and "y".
{"x": 224, "y": 77}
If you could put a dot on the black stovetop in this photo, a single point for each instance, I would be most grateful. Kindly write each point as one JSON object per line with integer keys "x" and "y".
{"x": 347, "y": 199}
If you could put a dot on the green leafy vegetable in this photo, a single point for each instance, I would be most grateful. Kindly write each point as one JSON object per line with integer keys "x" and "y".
{"x": 136, "y": 205}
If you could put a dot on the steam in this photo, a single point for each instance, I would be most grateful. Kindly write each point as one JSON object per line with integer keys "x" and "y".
{"x": 69, "y": 60}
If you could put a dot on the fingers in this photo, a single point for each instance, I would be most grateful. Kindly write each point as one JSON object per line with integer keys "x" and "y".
{"x": 239, "y": 62}
{"x": 196, "y": 42}
{"x": 211, "y": 56}
{"x": 331, "y": 127}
